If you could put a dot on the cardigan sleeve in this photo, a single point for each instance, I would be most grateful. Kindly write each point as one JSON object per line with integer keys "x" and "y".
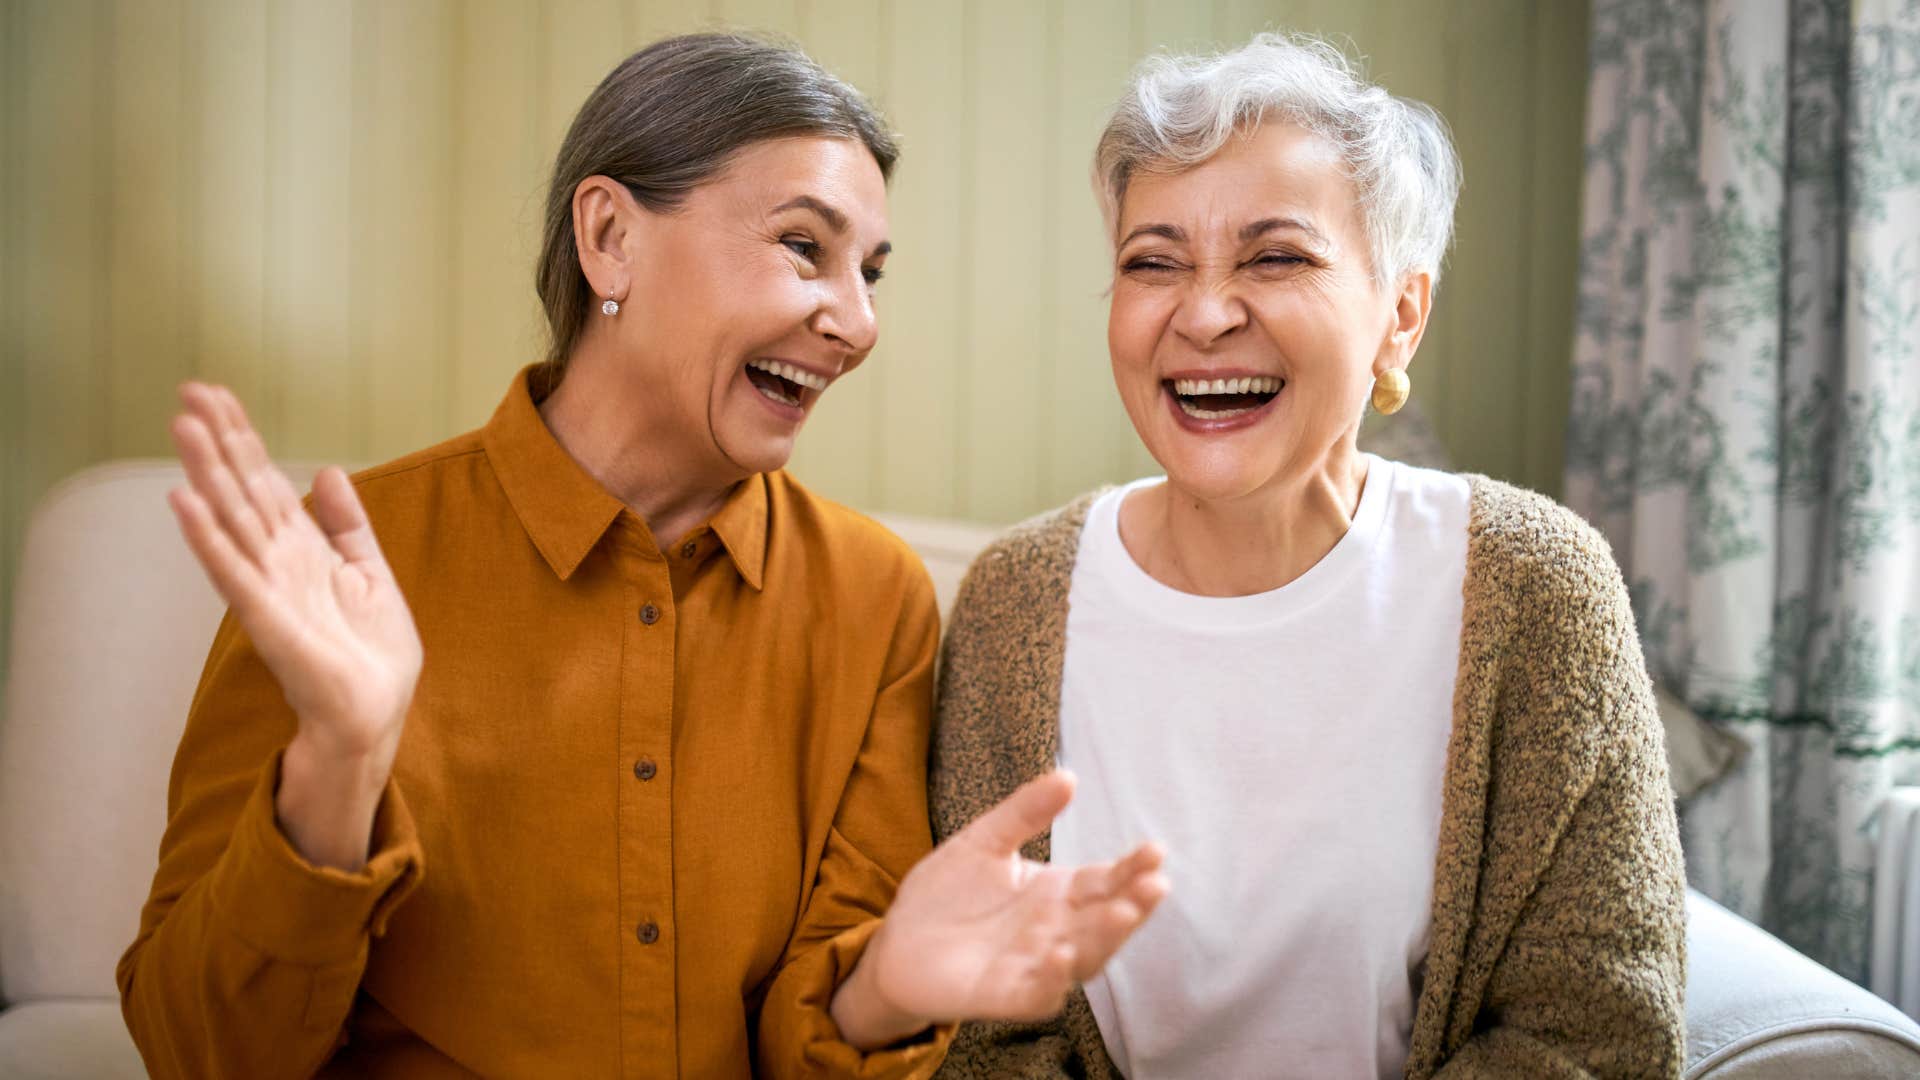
{"x": 1588, "y": 981}
{"x": 998, "y": 695}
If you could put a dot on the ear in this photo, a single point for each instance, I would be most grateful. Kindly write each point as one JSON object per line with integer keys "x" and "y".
{"x": 1411, "y": 305}
{"x": 606, "y": 220}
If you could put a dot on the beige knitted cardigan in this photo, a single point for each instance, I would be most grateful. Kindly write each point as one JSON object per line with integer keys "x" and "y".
{"x": 1557, "y": 935}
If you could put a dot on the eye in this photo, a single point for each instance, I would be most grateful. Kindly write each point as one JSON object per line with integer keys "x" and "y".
{"x": 1278, "y": 258}
{"x": 1149, "y": 265}
{"x": 802, "y": 247}
{"x": 873, "y": 274}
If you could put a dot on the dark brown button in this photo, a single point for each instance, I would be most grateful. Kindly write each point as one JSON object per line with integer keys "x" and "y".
{"x": 648, "y": 933}
{"x": 688, "y": 549}
{"x": 644, "y": 769}
{"x": 649, "y": 614}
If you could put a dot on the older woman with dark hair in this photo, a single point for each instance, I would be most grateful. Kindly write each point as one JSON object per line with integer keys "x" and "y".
{"x": 590, "y": 743}
{"x": 1393, "y": 725}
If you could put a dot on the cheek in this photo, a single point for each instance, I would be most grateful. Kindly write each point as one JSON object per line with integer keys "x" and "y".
{"x": 1133, "y": 331}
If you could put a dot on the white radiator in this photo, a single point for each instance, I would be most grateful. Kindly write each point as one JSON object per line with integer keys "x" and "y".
{"x": 1895, "y": 969}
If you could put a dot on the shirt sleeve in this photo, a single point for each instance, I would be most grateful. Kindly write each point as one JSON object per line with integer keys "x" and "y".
{"x": 248, "y": 957}
{"x": 880, "y": 830}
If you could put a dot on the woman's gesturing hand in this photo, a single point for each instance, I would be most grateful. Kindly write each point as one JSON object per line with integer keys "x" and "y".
{"x": 322, "y": 609}
{"x": 977, "y": 932}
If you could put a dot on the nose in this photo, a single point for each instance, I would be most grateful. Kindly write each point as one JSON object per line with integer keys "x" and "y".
{"x": 1208, "y": 312}
{"x": 847, "y": 318}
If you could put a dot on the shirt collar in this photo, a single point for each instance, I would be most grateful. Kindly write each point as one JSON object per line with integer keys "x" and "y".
{"x": 565, "y": 511}
{"x": 741, "y": 525}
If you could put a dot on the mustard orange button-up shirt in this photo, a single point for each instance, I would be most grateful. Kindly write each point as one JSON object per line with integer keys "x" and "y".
{"x": 646, "y": 810}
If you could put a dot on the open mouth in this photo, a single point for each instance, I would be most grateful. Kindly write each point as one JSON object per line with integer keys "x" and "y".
{"x": 1222, "y": 399}
{"x": 782, "y": 383}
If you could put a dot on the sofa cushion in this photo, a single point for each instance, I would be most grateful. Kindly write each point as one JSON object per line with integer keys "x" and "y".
{"x": 67, "y": 1040}
{"x": 1758, "y": 1010}
{"x": 111, "y": 623}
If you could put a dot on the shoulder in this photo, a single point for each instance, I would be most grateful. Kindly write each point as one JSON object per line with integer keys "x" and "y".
{"x": 1526, "y": 541}
{"x": 406, "y": 477}
{"x": 1035, "y": 552}
{"x": 844, "y": 545}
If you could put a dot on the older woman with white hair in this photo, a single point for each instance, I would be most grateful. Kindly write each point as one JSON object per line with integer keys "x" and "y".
{"x": 1392, "y": 725}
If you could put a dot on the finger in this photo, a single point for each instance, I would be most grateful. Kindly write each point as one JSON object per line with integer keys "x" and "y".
{"x": 232, "y": 574}
{"x": 1023, "y": 814}
{"x": 337, "y": 509}
{"x": 1108, "y": 927}
{"x": 1100, "y": 881}
{"x": 273, "y": 496}
{"x": 214, "y": 482}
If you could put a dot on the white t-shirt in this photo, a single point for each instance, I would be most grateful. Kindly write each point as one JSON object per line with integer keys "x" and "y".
{"x": 1288, "y": 749}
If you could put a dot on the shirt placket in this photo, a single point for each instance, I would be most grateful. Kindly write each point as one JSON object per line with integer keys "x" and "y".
{"x": 648, "y": 939}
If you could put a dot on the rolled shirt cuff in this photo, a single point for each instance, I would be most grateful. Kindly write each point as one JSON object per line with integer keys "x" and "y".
{"x": 299, "y": 913}
{"x": 807, "y": 1029}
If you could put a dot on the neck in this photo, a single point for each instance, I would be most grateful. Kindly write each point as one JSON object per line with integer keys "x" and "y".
{"x": 599, "y": 415}
{"x": 1249, "y": 543}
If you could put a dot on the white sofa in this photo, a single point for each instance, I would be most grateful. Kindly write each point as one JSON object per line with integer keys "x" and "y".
{"x": 111, "y": 622}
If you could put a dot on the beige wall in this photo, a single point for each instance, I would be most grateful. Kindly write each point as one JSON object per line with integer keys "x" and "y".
{"x": 332, "y": 207}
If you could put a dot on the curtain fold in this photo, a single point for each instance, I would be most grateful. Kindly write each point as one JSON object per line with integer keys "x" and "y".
{"x": 1745, "y": 423}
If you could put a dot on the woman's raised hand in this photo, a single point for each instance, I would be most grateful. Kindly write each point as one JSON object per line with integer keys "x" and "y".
{"x": 977, "y": 932}
{"x": 322, "y": 609}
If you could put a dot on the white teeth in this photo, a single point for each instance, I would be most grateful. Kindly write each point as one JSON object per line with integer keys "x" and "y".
{"x": 1199, "y": 413}
{"x": 775, "y": 395}
{"x": 1257, "y": 384}
{"x": 792, "y": 374}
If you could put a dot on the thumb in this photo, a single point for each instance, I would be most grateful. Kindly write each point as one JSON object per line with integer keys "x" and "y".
{"x": 1025, "y": 813}
{"x": 337, "y": 510}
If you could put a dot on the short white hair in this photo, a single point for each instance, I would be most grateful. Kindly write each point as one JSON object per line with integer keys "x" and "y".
{"x": 1179, "y": 111}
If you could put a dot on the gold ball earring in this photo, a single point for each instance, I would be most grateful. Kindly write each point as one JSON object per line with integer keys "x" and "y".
{"x": 1390, "y": 390}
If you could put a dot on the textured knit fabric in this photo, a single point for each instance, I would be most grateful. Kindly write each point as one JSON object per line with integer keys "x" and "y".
{"x": 1556, "y": 947}
{"x": 1220, "y": 725}
{"x": 647, "y": 809}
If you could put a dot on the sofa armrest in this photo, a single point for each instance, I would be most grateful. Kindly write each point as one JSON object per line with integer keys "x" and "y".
{"x": 1758, "y": 1010}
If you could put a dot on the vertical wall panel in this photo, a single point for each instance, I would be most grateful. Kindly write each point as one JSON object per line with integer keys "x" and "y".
{"x": 228, "y": 57}
{"x": 1001, "y": 413}
{"x": 1086, "y": 427}
{"x": 922, "y": 335}
{"x": 838, "y": 453}
{"x": 402, "y": 236}
{"x": 1559, "y": 149}
{"x": 147, "y": 278}
{"x": 13, "y": 321}
{"x": 309, "y": 217}
{"x": 1490, "y": 269}
{"x": 498, "y": 191}
{"x": 65, "y": 291}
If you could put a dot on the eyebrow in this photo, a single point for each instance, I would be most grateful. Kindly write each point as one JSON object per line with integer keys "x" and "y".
{"x": 1264, "y": 225}
{"x": 835, "y": 220}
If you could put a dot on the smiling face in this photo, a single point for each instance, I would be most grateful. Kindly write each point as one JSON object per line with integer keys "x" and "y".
{"x": 1246, "y": 327}
{"x": 745, "y": 304}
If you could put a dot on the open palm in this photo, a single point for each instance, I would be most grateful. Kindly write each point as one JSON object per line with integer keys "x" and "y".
{"x": 312, "y": 592}
{"x": 978, "y": 932}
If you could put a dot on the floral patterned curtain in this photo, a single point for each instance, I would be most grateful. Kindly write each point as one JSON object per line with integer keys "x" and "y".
{"x": 1746, "y": 418}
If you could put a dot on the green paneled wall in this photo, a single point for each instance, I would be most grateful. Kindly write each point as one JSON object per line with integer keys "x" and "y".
{"x": 332, "y": 206}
